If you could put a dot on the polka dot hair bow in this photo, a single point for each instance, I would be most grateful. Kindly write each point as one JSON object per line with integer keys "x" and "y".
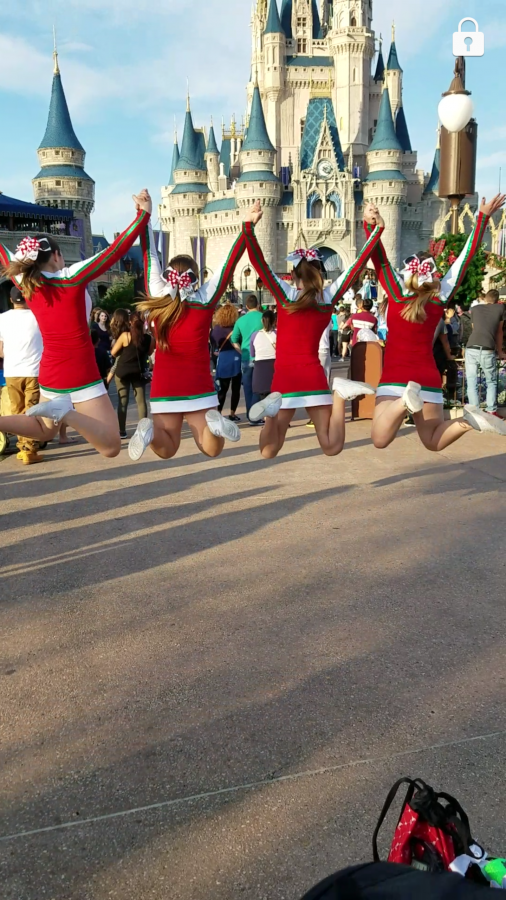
{"x": 425, "y": 269}
{"x": 29, "y": 248}
{"x": 302, "y": 253}
{"x": 184, "y": 282}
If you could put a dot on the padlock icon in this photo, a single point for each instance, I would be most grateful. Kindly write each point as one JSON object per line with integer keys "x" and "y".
{"x": 468, "y": 43}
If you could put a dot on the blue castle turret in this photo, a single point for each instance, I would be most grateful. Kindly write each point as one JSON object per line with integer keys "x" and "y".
{"x": 62, "y": 181}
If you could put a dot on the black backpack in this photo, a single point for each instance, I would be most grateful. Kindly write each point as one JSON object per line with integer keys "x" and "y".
{"x": 388, "y": 881}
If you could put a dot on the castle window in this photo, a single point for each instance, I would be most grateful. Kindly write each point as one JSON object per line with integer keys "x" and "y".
{"x": 354, "y": 75}
{"x": 302, "y": 45}
{"x": 261, "y": 184}
{"x": 58, "y": 183}
{"x": 40, "y": 183}
{"x": 79, "y": 184}
{"x": 57, "y": 152}
{"x": 353, "y": 22}
{"x": 301, "y": 23}
{"x": 302, "y": 126}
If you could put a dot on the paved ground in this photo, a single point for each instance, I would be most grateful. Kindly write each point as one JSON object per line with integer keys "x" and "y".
{"x": 212, "y": 672}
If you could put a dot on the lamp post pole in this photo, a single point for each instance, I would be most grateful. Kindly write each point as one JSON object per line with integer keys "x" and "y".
{"x": 459, "y": 142}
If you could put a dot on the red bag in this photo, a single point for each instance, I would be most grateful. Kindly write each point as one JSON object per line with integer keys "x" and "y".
{"x": 432, "y": 831}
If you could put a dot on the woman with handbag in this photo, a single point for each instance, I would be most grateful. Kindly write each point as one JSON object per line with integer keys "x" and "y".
{"x": 131, "y": 350}
{"x": 228, "y": 360}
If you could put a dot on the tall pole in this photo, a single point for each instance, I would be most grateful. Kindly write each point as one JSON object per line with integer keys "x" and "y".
{"x": 458, "y": 153}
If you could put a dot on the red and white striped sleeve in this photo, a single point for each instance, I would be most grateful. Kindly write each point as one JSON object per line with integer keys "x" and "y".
{"x": 282, "y": 292}
{"x": 87, "y": 270}
{"x": 456, "y": 274}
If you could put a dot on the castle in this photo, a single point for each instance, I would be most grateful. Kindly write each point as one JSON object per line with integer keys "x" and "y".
{"x": 62, "y": 181}
{"x": 325, "y": 133}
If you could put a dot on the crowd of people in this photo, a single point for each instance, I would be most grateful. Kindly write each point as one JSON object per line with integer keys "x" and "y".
{"x": 203, "y": 350}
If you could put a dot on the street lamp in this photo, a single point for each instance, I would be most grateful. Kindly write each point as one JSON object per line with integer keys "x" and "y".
{"x": 459, "y": 142}
{"x": 245, "y": 274}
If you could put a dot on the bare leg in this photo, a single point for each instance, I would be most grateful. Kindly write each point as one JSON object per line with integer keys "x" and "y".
{"x": 273, "y": 434}
{"x": 209, "y": 444}
{"x": 167, "y": 434}
{"x": 41, "y": 430}
{"x": 388, "y": 418}
{"x": 64, "y": 438}
{"x": 436, "y": 434}
{"x": 96, "y": 421}
{"x": 329, "y": 423}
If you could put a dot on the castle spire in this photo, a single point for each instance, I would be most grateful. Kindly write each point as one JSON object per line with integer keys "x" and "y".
{"x": 190, "y": 157}
{"x": 56, "y": 68}
{"x": 380, "y": 65}
{"x": 401, "y": 130}
{"x": 273, "y": 23}
{"x": 286, "y": 17}
{"x": 393, "y": 60}
{"x": 59, "y": 129}
{"x": 385, "y": 137}
{"x": 257, "y": 137}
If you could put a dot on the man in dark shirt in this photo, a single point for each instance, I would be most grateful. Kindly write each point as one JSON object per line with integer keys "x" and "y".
{"x": 484, "y": 347}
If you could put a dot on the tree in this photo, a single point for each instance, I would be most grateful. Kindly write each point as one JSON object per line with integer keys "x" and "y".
{"x": 120, "y": 295}
{"x": 446, "y": 250}
{"x": 499, "y": 263}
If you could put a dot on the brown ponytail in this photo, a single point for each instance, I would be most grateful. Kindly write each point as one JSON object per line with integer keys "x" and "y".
{"x": 164, "y": 312}
{"x": 310, "y": 273}
{"x": 30, "y": 270}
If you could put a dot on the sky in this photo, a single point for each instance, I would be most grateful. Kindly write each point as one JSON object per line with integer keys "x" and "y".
{"x": 125, "y": 65}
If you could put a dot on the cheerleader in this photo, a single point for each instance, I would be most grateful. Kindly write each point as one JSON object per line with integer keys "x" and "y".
{"x": 69, "y": 374}
{"x": 304, "y": 312}
{"x": 410, "y": 380}
{"x": 182, "y": 386}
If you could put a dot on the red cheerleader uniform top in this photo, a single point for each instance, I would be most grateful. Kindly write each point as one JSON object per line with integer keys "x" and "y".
{"x": 59, "y": 304}
{"x": 298, "y": 372}
{"x": 182, "y": 373}
{"x": 409, "y": 347}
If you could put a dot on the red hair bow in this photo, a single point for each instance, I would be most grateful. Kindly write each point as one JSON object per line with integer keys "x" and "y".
{"x": 184, "y": 282}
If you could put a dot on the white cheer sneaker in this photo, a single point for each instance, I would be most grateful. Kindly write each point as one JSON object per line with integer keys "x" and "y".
{"x": 267, "y": 408}
{"x": 484, "y": 421}
{"x": 55, "y": 409}
{"x": 141, "y": 440}
{"x": 411, "y": 397}
{"x": 350, "y": 390}
{"x": 221, "y": 427}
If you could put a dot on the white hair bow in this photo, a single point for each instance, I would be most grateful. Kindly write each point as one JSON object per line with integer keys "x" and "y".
{"x": 30, "y": 247}
{"x": 425, "y": 269}
{"x": 296, "y": 256}
{"x": 184, "y": 282}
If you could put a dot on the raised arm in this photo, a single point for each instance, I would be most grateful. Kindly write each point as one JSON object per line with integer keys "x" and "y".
{"x": 281, "y": 291}
{"x": 391, "y": 283}
{"x": 456, "y": 274}
{"x": 6, "y": 257}
{"x": 336, "y": 290}
{"x": 155, "y": 283}
{"x": 89, "y": 269}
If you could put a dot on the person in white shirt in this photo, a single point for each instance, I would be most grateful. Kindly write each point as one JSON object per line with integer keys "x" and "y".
{"x": 21, "y": 348}
{"x": 263, "y": 354}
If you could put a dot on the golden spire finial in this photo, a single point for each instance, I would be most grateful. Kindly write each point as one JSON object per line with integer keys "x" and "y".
{"x": 175, "y": 130}
{"x": 232, "y": 125}
{"x": 187, "y": 95}
{"x": 393, "y": 32}
{"x": 381, "y": 42}
{"x": 56, "y": 69}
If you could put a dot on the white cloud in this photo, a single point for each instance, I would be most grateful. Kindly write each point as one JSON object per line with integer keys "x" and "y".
{"x": 493, "y": 159}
